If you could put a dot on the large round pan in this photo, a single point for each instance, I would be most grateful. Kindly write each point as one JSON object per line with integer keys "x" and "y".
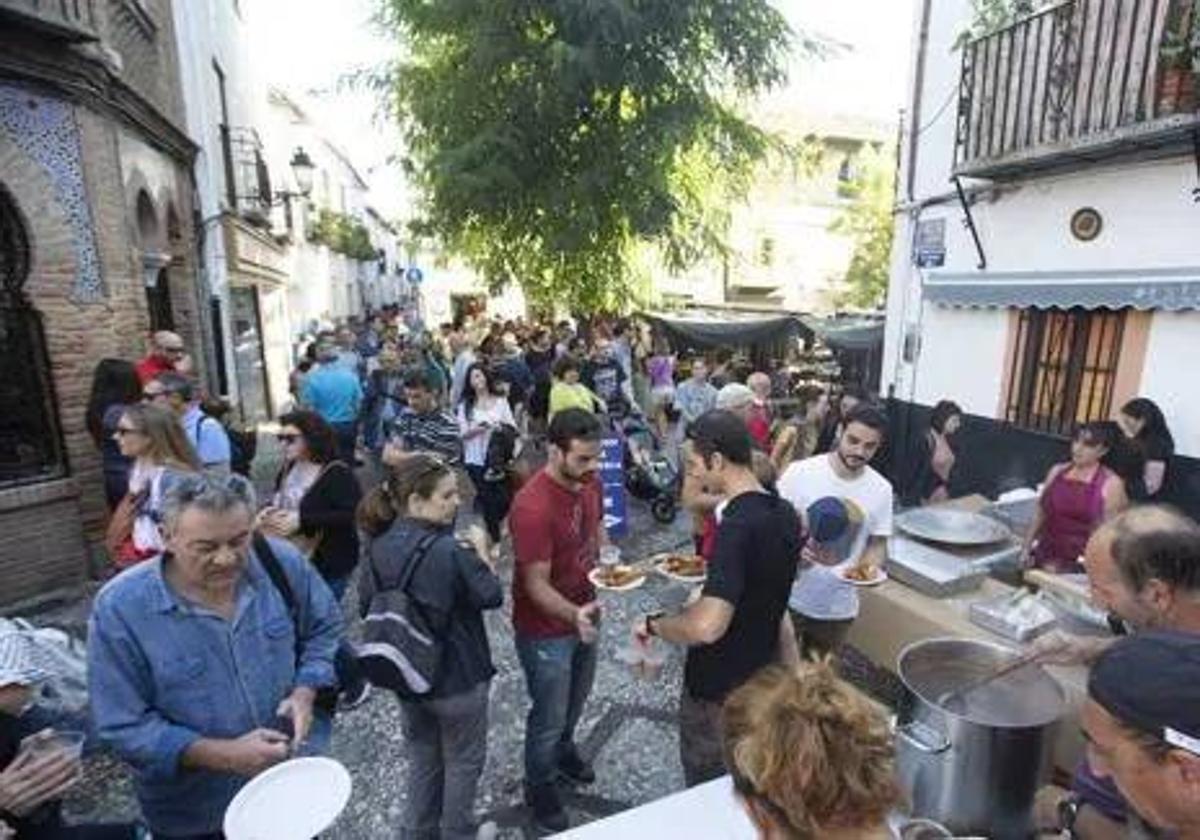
{"x": 953, "y": 527}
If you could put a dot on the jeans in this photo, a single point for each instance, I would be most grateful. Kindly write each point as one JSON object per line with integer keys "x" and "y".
{"x": 700, "y": 749}
{"x": 559, "y": 673}
{"x": 494, "y": 498}
{"x": 345, "y": 662}
{"x": 346, "y": 435}
{"x": 446, "y": 739}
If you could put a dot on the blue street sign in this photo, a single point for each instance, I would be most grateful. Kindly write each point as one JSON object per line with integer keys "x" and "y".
{"x": 414, "y": 275}
{"x": 612, "y": 460}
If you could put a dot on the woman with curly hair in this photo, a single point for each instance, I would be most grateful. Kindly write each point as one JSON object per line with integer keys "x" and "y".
{"x": 810, "y": 756}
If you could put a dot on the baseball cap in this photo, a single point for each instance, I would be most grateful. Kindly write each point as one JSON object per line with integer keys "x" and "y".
{"x": 17, "y": 665}
{"x": 734, "y": 395}
{"x": 1151, "y": 682}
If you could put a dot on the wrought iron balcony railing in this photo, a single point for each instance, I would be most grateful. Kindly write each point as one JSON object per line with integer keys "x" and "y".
{"x": 73, "y": 20}
{"x": 1078, "y": 81}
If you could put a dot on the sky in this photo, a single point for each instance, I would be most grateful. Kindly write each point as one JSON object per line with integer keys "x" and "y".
{"x": 305, "y": 46}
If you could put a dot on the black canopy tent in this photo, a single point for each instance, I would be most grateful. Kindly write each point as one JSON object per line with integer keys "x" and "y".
{"x": 759, "y": 335}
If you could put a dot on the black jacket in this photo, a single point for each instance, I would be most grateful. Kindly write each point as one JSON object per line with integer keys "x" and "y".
{"x": 328, "y": 509}
{"x": 453, "y": 584}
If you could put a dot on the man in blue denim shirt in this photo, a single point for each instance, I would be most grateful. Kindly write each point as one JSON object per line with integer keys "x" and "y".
{"x": 194, "y": 657}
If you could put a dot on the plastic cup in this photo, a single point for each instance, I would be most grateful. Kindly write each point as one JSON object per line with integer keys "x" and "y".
{"x": 610, "y": 555}
{"x": 68, "y": 741}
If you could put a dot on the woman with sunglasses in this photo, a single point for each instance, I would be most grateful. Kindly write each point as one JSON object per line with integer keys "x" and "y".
{"x": 115, "y": 386}
{"x": 315, "y": 498}
{"x": 446, "y": 734}
{"x": 152, "y": 437}
{"x": 1077, "y": 496}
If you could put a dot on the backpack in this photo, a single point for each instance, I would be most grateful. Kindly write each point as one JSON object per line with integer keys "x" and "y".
{"x": 400, "y": 649}
{"x": 501, "y": 450}
{"x": 243, "y": 444}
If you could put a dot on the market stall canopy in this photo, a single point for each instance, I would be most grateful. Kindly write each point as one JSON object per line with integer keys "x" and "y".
{"x": 1171, "y": 289}
{"x": 848, "y": 333}
{"x": 724, "y": 328}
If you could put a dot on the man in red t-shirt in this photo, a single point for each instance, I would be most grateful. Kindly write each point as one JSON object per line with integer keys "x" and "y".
{"x": 167, "y": 355}
{"x": 557, "y": 528}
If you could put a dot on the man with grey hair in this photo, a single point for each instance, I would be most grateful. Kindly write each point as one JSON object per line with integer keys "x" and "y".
{"x": 203, "y": 668}
{"x": 207, "y": 435}
{"x": 1143, "y": 566}
{"x": 167, "y": 355}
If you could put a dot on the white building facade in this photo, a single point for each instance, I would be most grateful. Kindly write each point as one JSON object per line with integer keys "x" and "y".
{"x": 1064, "y": 278}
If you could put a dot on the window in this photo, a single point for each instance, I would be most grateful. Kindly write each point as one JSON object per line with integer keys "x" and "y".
{"x": 1063, "y": 368}
{"x": 30, "y": 443}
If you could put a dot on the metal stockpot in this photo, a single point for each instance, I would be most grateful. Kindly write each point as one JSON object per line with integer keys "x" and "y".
{"x": 977, "y": 767}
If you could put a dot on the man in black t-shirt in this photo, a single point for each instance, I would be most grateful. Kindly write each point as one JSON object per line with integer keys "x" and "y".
{"x": 740, "y": 623}
{"x": 603, "y": 374}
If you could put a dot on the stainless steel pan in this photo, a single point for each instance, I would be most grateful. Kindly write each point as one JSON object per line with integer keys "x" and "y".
{"x": 953, "y": 527}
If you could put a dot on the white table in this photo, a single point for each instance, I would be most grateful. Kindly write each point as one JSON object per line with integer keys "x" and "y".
{"x": 706, "y": 812}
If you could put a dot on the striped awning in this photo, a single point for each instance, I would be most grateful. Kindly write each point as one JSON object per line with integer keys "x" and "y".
{"x": 1171, "y": 289}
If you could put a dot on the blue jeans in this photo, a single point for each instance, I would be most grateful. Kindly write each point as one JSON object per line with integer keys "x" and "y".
{"x": 559, "y": 673}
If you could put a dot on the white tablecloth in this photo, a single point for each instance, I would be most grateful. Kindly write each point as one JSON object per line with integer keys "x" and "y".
{"x": 706, "y": 812}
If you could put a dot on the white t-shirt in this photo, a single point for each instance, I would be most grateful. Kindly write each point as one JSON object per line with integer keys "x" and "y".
{"x": 495, "y": 412}
{"x": 818, "y": 591}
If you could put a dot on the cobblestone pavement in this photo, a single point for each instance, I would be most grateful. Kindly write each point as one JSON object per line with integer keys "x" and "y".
{"x": 627, "y": 728}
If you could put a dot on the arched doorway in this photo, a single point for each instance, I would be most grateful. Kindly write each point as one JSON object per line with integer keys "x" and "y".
{"x": 30, "y": 441}
{"x": 154, "y": 266}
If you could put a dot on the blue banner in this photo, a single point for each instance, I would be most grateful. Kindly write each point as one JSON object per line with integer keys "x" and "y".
{"x": 612, "y": 482}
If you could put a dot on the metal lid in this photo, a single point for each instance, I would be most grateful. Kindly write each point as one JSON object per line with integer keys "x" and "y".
{"x": 1028, "y": 697}
{"x": 954, "y": 527}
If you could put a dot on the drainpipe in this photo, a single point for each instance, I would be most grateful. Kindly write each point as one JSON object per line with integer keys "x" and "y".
{"x": 914, "y": 121}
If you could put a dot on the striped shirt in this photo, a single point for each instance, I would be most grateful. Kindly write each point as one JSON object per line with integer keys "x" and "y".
{"x": 435, "y": 432}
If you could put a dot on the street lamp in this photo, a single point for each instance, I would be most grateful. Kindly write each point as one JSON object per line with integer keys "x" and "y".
{"x": 302, "y": 171}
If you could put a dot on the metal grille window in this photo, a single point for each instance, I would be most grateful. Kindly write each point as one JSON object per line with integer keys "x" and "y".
{"x": 30, "y": 443}
{"x": 1063, "y": 368}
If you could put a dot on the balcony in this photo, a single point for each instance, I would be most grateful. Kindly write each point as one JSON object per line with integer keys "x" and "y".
{"x": 247, "y": 179}
{"x": 70, "y": 20}
{"x": 1079, "y": 82}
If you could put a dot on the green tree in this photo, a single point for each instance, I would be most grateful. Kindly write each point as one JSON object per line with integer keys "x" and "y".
{"x": 869, "y": 222}
{"x": 555, "y": 139}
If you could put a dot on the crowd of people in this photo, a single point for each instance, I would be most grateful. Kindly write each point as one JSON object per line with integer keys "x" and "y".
{"x": 219, "y": 649}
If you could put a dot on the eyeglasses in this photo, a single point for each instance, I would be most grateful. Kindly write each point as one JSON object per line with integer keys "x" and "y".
{"x": 121, "y": 431}
{"x": 153, "y": 395}
{"x": 286, "y": 439}
{"x": 175, "y": 351}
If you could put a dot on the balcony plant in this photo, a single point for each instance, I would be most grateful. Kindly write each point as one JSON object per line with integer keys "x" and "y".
{"x": 1178, "y": 57}
{"x": 342, "y": 234}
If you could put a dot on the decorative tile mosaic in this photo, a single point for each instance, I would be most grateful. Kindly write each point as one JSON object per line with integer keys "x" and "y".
{"x": 45, "y": 129}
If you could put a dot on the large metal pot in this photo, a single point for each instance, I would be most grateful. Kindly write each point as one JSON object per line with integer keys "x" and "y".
{"x": 976, "y": 766}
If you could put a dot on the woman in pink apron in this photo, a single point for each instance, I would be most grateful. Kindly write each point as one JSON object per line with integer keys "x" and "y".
{"x": 1076, "y": 498}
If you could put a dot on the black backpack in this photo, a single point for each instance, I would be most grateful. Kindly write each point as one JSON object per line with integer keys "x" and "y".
{"x": 401, "y": 647}
{"x": 502, "y": 448}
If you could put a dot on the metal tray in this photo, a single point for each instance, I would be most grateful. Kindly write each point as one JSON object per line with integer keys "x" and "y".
{"x": 931, "y": 571}
{"x": 953, "y": 527}
{"x": 993, "y": 615}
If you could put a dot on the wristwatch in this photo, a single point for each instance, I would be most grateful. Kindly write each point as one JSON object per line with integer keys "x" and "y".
{"x": 1068, "y": 812}
{"x": 650, "y": 619}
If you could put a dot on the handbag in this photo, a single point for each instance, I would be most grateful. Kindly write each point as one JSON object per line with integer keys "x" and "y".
{"x": 400, "y": 650}
{"x": 327, "y": 696}
{"x": 118, "y": 536}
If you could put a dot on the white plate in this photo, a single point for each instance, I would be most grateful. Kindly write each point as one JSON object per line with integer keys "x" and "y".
{"x": 875, "y": 581}
{"x": 295, "y": 800}
{"x": 658, "y": 560}
{"x": 594, "y": 575}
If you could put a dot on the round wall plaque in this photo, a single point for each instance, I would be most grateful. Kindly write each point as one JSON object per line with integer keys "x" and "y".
{"x": 1086, "y": 224}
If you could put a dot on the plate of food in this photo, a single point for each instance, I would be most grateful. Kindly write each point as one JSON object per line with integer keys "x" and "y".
{"x": 685, "y": 568}
{"x": 863, "y": 575}
{"x": 618, "y": 578}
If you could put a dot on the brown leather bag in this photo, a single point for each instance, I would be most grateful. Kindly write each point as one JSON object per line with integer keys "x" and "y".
{"x": 120, "y": 527}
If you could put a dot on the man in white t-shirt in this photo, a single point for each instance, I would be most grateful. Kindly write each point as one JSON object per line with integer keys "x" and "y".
{"x": 847, "y": 509}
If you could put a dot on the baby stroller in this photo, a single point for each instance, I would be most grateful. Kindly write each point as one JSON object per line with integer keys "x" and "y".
{"x": 649, "y": 473}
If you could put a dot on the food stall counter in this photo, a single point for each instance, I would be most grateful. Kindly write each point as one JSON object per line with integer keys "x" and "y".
{"x": 707, "y": 812}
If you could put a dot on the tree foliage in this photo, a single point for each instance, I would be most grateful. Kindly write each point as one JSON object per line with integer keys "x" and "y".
{"x": 553, "y": 139}
{"x": 869, "y": 222}
{"x": 342, "y": 234}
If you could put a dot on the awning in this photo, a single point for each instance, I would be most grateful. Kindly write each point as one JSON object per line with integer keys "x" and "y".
{"x": 703, "y": 329}
{"x": 848, "y": 334}
{"x": 1171, "y": 289}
